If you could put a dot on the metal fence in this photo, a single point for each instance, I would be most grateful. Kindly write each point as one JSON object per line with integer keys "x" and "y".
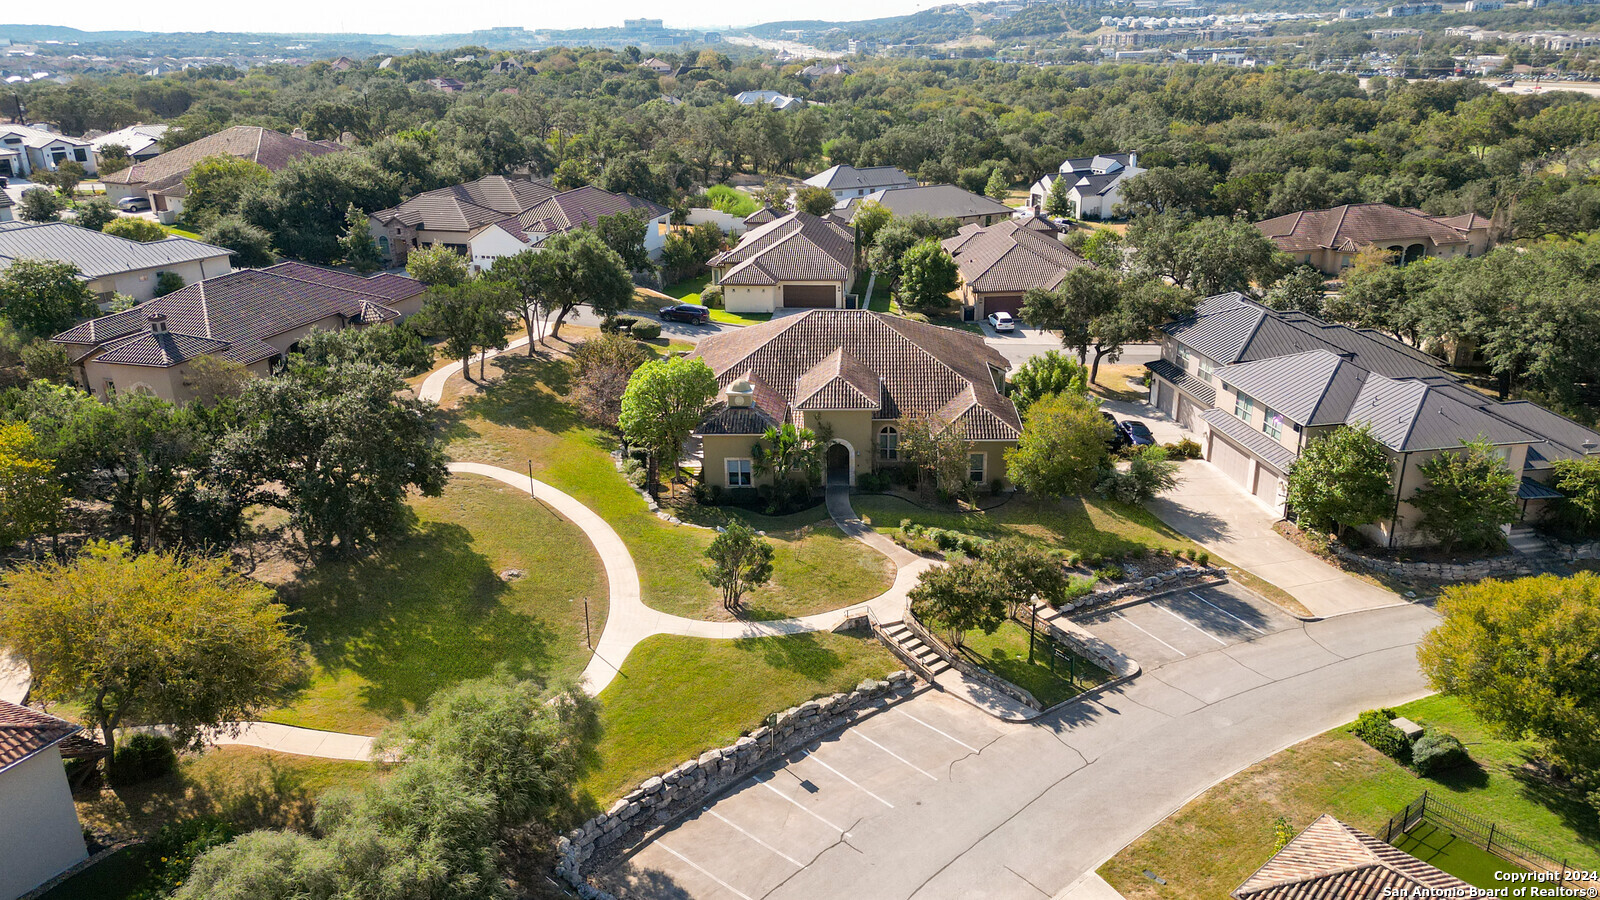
{"x": 1486, "y": 834}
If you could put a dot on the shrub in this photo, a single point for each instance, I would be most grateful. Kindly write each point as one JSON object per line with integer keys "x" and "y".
{"x": 645, "y": 331}
{"x": 616, "y": 324}
{"x": 906, "y": 525}
{"x": 1437, "y": 751}
{"x": 142, "y": 757}
{"x": 711, "y": 297}
{"x": 173, "y": 851}
{"x": 944, "y": 538}
{"x": 1092, "y": 560}
{"x": 707, "y": 494}
{"x": 1109, "y": 573}
{"x": 1074, "y": 559}
{"x": 996, "y": 485}
{"x": 1202, "y": 558}
{"x": 1373, "y": 727}
{"x": 1077, "y": 587}
{"x": 1184, "y": 449}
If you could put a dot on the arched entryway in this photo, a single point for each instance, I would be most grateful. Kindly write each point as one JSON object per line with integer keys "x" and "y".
{"x": 841, "y": 463}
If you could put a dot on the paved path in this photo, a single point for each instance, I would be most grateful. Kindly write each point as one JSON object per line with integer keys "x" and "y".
{"x": 1213, "y": 511}
{"x": 433, "y": 386}
{"x": 299, "y": 741}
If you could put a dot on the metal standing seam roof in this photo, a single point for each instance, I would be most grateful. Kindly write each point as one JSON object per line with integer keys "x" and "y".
{"x": 1528, "y": 489}
{"x": 1259, "y": 444}
{"x": 1333, "y": 861}
{"x": 1183, "y": 381}
{"x": 38, "y": 138}
{"x": 94, "y": 253}
{"x": 1408, "y": 415}
{"x": 1010, "y": 257}
{"x": 1316, "y": 387}
{"x": 136, "y": 138}
{"x": 846, "y": 177}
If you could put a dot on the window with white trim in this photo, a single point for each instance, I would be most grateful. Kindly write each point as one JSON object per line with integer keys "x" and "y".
{"x": 738, "y": 472}
{"x": 889, "y": 442}
{"x": 1243, "y": 407}
{"x": 1272, "y": 423}
{"x": 977, "y": 467}
{"x": 1206, "y": 368}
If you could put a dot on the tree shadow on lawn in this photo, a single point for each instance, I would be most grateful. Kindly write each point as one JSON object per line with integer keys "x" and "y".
{"x": 801, "y": 653}
{"x": 425, "y": 612}
{"x": 1565, "y": 800}
{"x": 532, "y": 394}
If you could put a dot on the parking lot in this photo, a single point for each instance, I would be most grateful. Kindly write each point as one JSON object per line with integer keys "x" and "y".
{"x": 774, "y": 826}
{"x": 1186, "y": 623}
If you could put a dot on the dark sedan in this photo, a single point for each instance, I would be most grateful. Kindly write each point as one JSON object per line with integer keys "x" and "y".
{"x": 686, "y": 312}
{"x": 1138, "y": 433}
{"x": 1118, "y": 438}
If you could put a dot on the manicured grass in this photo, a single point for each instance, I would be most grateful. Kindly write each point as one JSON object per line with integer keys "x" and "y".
{"x": 1210, "y": 846}
{"x": 183, "y": 233}
{"x": 677, "y": 697}
{"x": 1005, "y": 653}
{"x": 431, "y": 609}
{"x": 1085, "y": 524}
{"x": 1445, "y": 851}
{"x": 525, "y": 416}
{"x": 688, "y": 291}
{"x": 723, "y": 317}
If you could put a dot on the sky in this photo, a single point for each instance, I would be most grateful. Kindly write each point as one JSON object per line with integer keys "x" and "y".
{"x": 433, "y": 17}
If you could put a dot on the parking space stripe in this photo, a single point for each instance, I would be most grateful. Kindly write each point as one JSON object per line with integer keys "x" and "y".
{"x": 719, "y": 817}
{"x": 797, "y": 804}
{"x": 1190, "y": 624}
{"x": 1149, "y": 635}
{"x": 937, "y": 731}
{"x": 893, "y": 754}
{"x": 818, "y": 760}
{"x": 696, "y": 866}
{"x": 1226, "y": 613}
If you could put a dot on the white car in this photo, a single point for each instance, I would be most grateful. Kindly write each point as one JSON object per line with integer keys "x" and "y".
{"x": 1002, "y": 321}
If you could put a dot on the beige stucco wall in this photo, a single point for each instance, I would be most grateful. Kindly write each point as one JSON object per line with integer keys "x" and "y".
{"x": 39, "y": 832}
{"x": 1408, "y": 479}
{"x": 750, "y": 299}
{"x": 140, "y": 284}
{"x": 856, "y": 430}
{"x": 1288, "y": 438}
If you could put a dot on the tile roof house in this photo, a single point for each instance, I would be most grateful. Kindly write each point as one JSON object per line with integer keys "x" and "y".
{"x": 161, "y": 179}
{"x": 110, "y": 264}
{"x": 27, "y": 148}
{"x": 1258, "y": 385}
{"x": 1094, "y": 184}
{"x": 797, "y": 260}
{"x": 658, "y": 66}
{"x": 1001, "y": 262}
{"x": 253, "y": 317}
{"x": 502, "y": 215}
{"x": 1333, "y": 860}
{"x": 1329, "y": 239}
{"x": 941, "y": 201}
{"x": 861, "y": 374}
{"x": 40, "y": 836}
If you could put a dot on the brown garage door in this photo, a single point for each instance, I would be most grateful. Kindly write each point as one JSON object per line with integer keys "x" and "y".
{"x": 811, "y": 296}
{"x": 1011, "y": 303}
{"x": 1232, "y": 460}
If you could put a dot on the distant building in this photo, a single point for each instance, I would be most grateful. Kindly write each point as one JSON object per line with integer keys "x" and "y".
{"x": 643, "y": 24}
{"x": 774, "y": 99}
{"x": 658, "y": 66}
{"x": 1095, "y": 184}
{"x": 817, "y": 70}
{"x": 506, "y": 67}
{"x": 25, "y": 149}
{"x": 448, "y": 85}
{"x": 343, "y": 64}
{"x": 1484, "y": 5}
{"x": 141, "y": 141}
{"x": 847, "y": 182}
{"x": 1414, "y": 9}
{"x": 1355, "y": 12}
{"x": 1329, "y": 239}
{"x": 712, "y": 37}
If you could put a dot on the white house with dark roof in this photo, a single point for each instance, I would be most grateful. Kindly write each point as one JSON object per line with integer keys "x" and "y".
{"x": 1258, "y": 385}
{"x": 40, "y": 836}
{"x": 110, "y": 264}
{"x": 1094, "y": 184}
{"x": 25, "y": 149}
{"x": 143, "y": 142}
{"x": 859, "y": 375}
{"x": 253, "y": 317}
{"x": 848, "y": 182}
{"x": 797, "y": 260}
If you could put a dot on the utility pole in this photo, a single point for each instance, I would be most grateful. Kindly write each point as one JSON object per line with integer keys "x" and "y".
{"x": 1033, "y": 621}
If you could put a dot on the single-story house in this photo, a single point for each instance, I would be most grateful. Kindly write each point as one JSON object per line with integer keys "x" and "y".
{"x": 1258, "y": 385}
{"x": 110, "y": 264}
{"x": 1095, "y": 184}
{"x": 502, "y": 215}
{"x": 1329, "y": 239}
{"x": 860, "y": 374}
{"x": 254, "y": 317}
{"x": 40, "y": 836}
{"x": 1001, "y": 262}
{"x": 847, "y": 182}
{"x": 1333, "y": 860}
{"x": 449, "y": 85}
{"x": 25, "y": 149}
{"x": 658, "y": 66}
{"x": 160, "y": 179}
{"x": 941, "y": 201}
{"x": 143, "y": 142}
{"x": 774, "y": 99}
{"x": 797, "y": 260}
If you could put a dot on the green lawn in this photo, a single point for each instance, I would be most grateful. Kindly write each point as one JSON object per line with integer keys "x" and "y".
{"x": 1445, "y": 851}
{"x": 1085, "y": 524}
{"x": 526, "y": 417}
{"x": 1210, "y": 846}
{"x": 431, "y": 609}
{"x": 688, "y": 291}
{"x": 1005, "y": 653}
{"x": 677, "y": 697}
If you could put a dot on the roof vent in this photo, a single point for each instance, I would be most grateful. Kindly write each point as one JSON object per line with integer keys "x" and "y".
{"x": 298, "y": 133}
{"x": 741, "y": 394}
{"x": 158, "y": 323}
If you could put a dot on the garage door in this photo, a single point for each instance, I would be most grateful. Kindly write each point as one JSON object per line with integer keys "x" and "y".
{"x": 1232, "y": 460}
{"x": 1165, "y": 395}
{"x": 1188, "y": 414}
{"x": 1267, "y": 487}
{"x": 814, "y": 296}
{"x": 1010, "y": 303}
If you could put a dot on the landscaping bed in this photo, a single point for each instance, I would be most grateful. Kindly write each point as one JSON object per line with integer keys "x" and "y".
{"x": 1005, "y": 653}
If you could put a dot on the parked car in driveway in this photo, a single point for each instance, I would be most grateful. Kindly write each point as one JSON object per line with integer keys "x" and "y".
{"x": 1002, "y": 321}
{"x": 686, "y": 312}
{"x": 133, "y": 204}
{"x": 1138, "y": 433}
{"x": 1119, "y": 439}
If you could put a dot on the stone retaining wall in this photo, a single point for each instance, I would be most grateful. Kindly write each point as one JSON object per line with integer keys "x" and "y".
{"x": 662, "y": 798}
{"x": 1164, "y": 581}
{"x": 1470, "y": 571}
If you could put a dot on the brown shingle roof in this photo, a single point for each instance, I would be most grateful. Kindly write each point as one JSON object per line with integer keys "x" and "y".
{"x": 1333, "y": 861}
{"x": 1355, "y": 225}
{"x": 855, "y": 359}
{"x": 24, "y": 732}
{"x": 581, "y": 207}
{"x": 1010, "y": 257}
{"x": 796, "y": 247}
{"x": 463, "y": 207}
{"x": 272, "y": 149}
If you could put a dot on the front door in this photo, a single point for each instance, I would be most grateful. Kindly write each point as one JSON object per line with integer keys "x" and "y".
{"x": 838, "y": 464}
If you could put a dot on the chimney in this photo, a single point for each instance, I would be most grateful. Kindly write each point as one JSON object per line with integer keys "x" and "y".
{"x": 298, "y": 133}
{"x": 347, "y": 138}
{"x": 158, "y": 323}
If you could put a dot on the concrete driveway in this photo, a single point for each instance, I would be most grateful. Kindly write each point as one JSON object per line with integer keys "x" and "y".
{"x": 933, "y": 799}
{"x": 1214, "y": 512}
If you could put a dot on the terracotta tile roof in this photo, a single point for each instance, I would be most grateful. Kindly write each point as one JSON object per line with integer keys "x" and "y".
{"x": 1333, "y": 861}
{"x": 844, "y": 355}
{"x": 1010, "y": 257}
{"x": 272, "y": 149}
{"x": 24, "y": 732}
{"x": 796, "y": 247}
{"x": 1352, "y": 226}
{"x": 463, "y": 207}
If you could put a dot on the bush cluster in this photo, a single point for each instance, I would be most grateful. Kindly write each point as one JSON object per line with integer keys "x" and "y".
{"x": 922, "y": 539}
{"x": 1109, "y": 573}
{"x": 1184, "y": 449}
{"x": 635, "y": 472}
{"x": 645, "y": 331}
{"x": 711, "y": 297}
{"x": 141, "y": 757}
{"x": 1437, "y": 751}
{"x": 1373, "y": 727}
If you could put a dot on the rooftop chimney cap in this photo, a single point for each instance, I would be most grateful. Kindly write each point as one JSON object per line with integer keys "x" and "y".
{"x": 158, "y": 323}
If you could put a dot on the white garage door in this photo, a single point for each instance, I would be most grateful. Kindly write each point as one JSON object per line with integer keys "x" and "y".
{"x": 1232, "y": 460}
{"x": 1267, "y": 487}
{"x": 1188, "y": 414}
{"x": 1165, "y": 395}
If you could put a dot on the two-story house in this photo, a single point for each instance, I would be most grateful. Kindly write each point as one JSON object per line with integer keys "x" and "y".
{"x": 1094, "y": 184}
{"x": 25, "y": 149}
{"x": 1258, "y": 385}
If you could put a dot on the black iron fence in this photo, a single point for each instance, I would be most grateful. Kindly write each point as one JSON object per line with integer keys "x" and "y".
{"x": 1486, "y": 834}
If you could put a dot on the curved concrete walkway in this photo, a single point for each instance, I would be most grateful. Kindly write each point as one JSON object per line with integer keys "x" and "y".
{"x": 433, "y": 386}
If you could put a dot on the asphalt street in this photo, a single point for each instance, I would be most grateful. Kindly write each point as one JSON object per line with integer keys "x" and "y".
{"x": 934, "y": 799}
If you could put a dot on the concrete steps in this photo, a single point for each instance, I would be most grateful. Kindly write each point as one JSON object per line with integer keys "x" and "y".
{"x": 1525, "y": 541}
{"x": 910, "y": 643}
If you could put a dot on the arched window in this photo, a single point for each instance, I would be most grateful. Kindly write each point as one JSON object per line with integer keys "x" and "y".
{"x": 889, "y": 442}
